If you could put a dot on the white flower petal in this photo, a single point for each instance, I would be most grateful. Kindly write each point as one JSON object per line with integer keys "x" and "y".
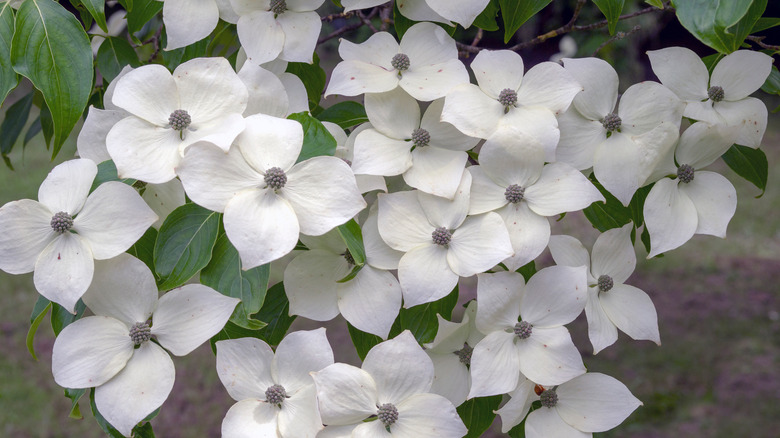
{"x": 67, "y": 186}
{"x": 27, "y": 232}
{"x": 715, "y": 200}
{"x": 123, "y": 288}
{"x": 251, "y": 418}
{"x": 537, "y": 122}
{"x": 599, "y": 81}
{"x": 750, "y": 115}
{"x": 346, "y": 394}
{"x": 163, "y": 199}
{"x": 448, "y": 213}
{"x": 91, "y": 142}
{"x": 613, "y": 254}
{"x": 545, "y": 422}
{"x": 434, "y": 81}
{"x": 436, "y": 171}
{"x": 510, "y": 156}
{"x": 370, "y": 301}
{"x": 188, "y": 21}
{"x": 244, "y": 367}
{"x": 267, "y": 94}
{"x": 389, "y": 363}
{"x": 548, "y": 85}
{"x": 741, "y": 73}
{"x": 428, "y": 415}
{"x": 299, "y": 416}
{"x": 90, "y": 351}
{"x": 378, "y": 253}
{"x": 646, "y": 105}
{"x": 310, "y": 284}
{"x": 377, "y": 154}
{"x": 140, "y": 388}
{"x": 495, "y": 365}
{"x": 549, "y": 357}
{"x": 270, "y": 142}
{"x": 323, "y": 193}
{"x": 393, "y": 113}
{"x": 568, "y": 251}
{"x": 498, "y": 70}
{"x": 528, "y": 233}
{"x": 144, "y": 151}
{"x": 63, "y": 271}
{"x": 701, "y": 144}
{"x": 682, "y": 71}
{"x": 451, "y": 378}
{"x": 470, "y": 110}
{"x": 479, "y": 244}
{"x": 515, "y": 410}
{"x": 113, "y": 219}
{"x": 149, "y": 93}
{"x": 632, "y": 311}
{"x": 296, "y": 93}
{"x": 601, "y": 330}
{"x": 579, "y": 138}
{"x": 353, "y": 78}
{"x": 595, "y": 402}
{"x": 351, "y": 5}
{"x": 261, "y": 36}
{"x": 419, "y": 11}
{"x": 617, "y": 165}
{"x": 561, "y": 188}
{"x": 425, "y": 275}
{"x": 555, "y": 296}
{"x": 261, "y": 225}
{"x": 378, "y": 50}
{"x": 402, "y": 222}
{"x": 670, "y": 217}
{"x": 301, "y": 30}
{"x": 299, "y": 354}
{"x": 485, "y": 194}
{"x": 443, "y": 134}
{"x": 499, "y": 296}
{"x": 188, "y": 316}
{"x": 463, "y": 12}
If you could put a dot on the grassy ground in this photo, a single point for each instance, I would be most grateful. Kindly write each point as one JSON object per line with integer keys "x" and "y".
{"x": 714, "y": 376}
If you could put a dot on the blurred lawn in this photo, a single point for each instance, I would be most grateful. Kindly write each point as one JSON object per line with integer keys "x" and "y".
{"x": 714, "y": 376}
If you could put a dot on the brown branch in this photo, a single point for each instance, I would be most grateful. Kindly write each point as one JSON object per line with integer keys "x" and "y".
{"x": 348, "y": 28}
{"x": 760, "y": 41}
{"x": 332, "y": 17}
{"x": 367, "y": 21}
{"x": 617, "y": 36}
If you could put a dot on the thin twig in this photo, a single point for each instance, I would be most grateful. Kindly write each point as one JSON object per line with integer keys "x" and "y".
{"x": 332, "y": 17}
{"x": 760, "y": 41}
{"x": 617, "y": 36}
{"x": 367, "y": 22}
{"x": 348, "y": 28}
{"x": 384, "y": 16}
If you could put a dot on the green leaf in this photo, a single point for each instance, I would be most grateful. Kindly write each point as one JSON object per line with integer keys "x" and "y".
{"x": 40, "y": 310}
{"x": 516, "y": 13}
{"x": 96, "y": 9}
{"x": 15, "y": 119}
{"x": 139, "y": 12}
{"x": 605, "y": 216}
{"x": 765, "y": 23}
{"x": 720, "y": 24}
{"x": 317, "y": 140}
{"x": 612, "y": 10}
{"x": 750, "y": 164}
{"x": 107, "y": 172}
{"x": 657, "y": 3}
{"x": 143, "y": 431}
{"x": 225, "y": 275}
{"x": 353, "y": 237}
{"x": 637, "y": 204}
{"x": 477, "y": 414}
{"x": 184, "y": 244}
{"x": 113, "y": 55}
{"x": 61, "y": 318}
{"x": 52, "y": 50}
{"x": 75, "y": 395}
{"x": 174, "y": 58}
{"x": 486, "y": 20}
{"x": 345, "y": 114}
{"x": 32, "y": 131}
{"x": 772, "y": 83}
{"x": 8, "y": 77}
{"x": 313, "y": 78}
{"x": 527, "y": 270}
{"x": 47, "y": 124}
{"x": 422, "y": 321}
{"x": 362, "y": 341}
{"x": 276, "y": 313}
{"x": 645, "y": 237}
{"x": 143, "y": 249}
{"x": 400, "y": 22}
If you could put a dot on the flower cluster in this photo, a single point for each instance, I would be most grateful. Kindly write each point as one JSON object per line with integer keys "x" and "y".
{"x": 464, "y": 187}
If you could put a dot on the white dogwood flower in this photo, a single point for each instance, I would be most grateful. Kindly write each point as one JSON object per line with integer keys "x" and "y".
{"x": 345, "y": 149}
{"x": 440, "y": 243}
{"x": 267, "y": 198}
{"x": 61, "y": 235}
{"x": 463, "y": 12}
{"x": 524, "y": 328}
{"x": 202, "y": 101}
{"x": 425, "y": 64}
{"x": 189, "y": 21}
{"x": 384, "y": 398}
{"x": 274, "y": 391}
{"x": 611, "y": 304}
{"x": 723, "y": 96}
{"x": 112, "y": 351}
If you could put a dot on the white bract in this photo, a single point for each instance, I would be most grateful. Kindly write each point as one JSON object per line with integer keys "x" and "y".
{"x": 439, "y": 242}
{"x": 345, "y": 149}
{"x": 513, "y": 181}
{"x": 189, "y": 21}
{"x": 393, "y": 386}
{"x": 450, "y": 353}
{"x": 505, "y": 96}
{"x": 275, "y": 393}
{"x": 696, "y": 201}
{"x": 425, "y": 64}
{"x": 60, "y": 236}
{"x": 370, "y": 301}
{"x": 267, "y": 198}
{"x": 592, "y": 402}
{"x": 112, "y": 351}
{"x": 201, "y": 102}
{"x": 287, "y": 29}
{"x": 538, "y": 346}
{"x": 611, "y": 303}
{"x": 722, "y": 97}
{"x": 429, "y": 153}
{"x": 623, "y": 146}
{"x": 463, "y": 12}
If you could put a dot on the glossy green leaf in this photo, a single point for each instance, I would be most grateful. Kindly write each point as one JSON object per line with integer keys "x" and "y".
{"x": 744, "y": 27}
{"x": 362, "y": 341}
{"x": 8, "y": 77}
{"x": 765, "y": 23}
{"x": 32, "y": 131}
{"x": 143, "y": 249}
{"x": 107, "y": 172}
{"x": 645, "y": 237}
{"x": 174, "y": 58}
{"x": 113, "y": 55}
{"x": 657, "y": 3}
{"x": 400, "y": 22}
{"x": 52, "y": 50}
{"x": 96, "y": 9}
{"x": 352, "y": 236}
{"x": 750, "y": 164}
{"x": 40, "y": 310}
{"x": 139, "y": 12}
{"x": 61, "y": 318}
{"x": 422, "y": 321}
{"x": 516, "y": 13}
{"x": 233, "y": 331}
{"x": 612, "y": 10}
{"x": 637, "y": 204}
{"x": 317, "y": 140}
{"x": 486, "y": 20}
{"x": 607, "y": 215}
{"x": 276, "y": 313}
{"x": 527, "y": 270}
{"x": 13, "y": 124}
{"x": 345, "y": 114}
{"x": 225, "y": 275}
{"x": 47, "y": 124}
{"x": 720, "y": 24}
{"x": 313, "y": 78}
{"x": 75, "y": 395}
{"x": 184, "y": 244}
{"x": 477, "y": 414}
{"x": 772, "y": 83}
